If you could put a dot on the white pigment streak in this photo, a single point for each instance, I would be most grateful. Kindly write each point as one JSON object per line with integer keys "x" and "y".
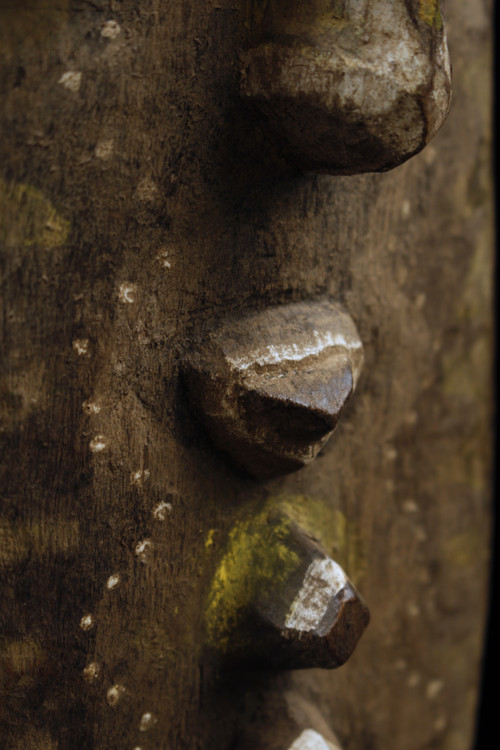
{"x": 139, "y": 476}
{"x": 110, "y": 30}
{"x": 161, "y": 510}
{"x": 104, "y": 148}
{"x": 71, "y": 80}
{"x": 113, "y": 581}
{"x": 271, "y": 355}
{"x": 91, "y": 671}
{"x": 114, "y": 694}
{"x": 98, "y": 444}
{"x": 310, "y": 740}
{"x": 142, "y": 549}
{"x": 90, "y": 407}
{"x": 87, "y": 622}
{"x": 126, "y": 293}
{"x": 81, "y": 346}
{"x": 322, "y": 581}
{"x": 147, "y": 722}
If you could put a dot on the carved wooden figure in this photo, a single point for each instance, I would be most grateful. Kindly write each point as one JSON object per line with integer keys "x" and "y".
{"x": 195, "y": 266}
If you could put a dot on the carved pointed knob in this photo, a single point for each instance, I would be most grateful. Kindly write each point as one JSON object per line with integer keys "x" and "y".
{"x": 286, "y": 720}
{"x": 278, "y": 600}
{"x": 270, "y": 386}
{"x": 358, "y": 87}
{"x": 316, "y": 617}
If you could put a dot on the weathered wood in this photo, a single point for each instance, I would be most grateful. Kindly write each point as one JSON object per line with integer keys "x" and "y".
{"x": 141, "y": 200}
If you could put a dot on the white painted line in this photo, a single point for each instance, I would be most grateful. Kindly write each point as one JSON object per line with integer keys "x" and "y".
{"x": 322, "y": 581}
{"x": 271, "y": 355}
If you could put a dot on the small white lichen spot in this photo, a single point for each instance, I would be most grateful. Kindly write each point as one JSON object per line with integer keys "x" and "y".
{"x": 139, "y": 476}
{"x": 391, "y": 453}
{"x": 147, "y": 722}
{"x": 323, "y": 580}
{"x": 113, "y": 581}
{"x": 87, "y": 622}
{"x": 440, "y": 724}
{"x": 114, "y": 694}
{"x": 410, "y": 506}
{"x": 400, "y": 665}
{"x": 161, "y": 511}
{"x": 420, "y": 301}
{"x": 104, "y": 149}
{"x": 433, "y": 689}
{"x": 90, "y": 407}
{"x": 110, "y": 30}
{"x": 147, "y": 190}
{"x": 81, "y": 346}
{"x": 405, "y": 209}
{"x": 126, "y": 293}
{"x": 311, "y": 740}
{"x": 91, "y": 671}
{"x": 163, "y": 260}
{"x": 143, "y": 549}
{"x": 98, "y": 444}
{"x": 411, "y": 418}
{"x": 420, "y": 534}
{"x": 71, "y": 80}
{"x": 414, "y": 679}
{"x": 413, "y": 609}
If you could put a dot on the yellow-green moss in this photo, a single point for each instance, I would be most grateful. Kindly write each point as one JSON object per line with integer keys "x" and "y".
{"x": 256, "y": 558}
{"x": 27, "y": 217}
{"x": 430, "y": 13}
{"x": 464, "y": 550}
{"x": 336, "y": 533}
{"x": 259, "y": 556}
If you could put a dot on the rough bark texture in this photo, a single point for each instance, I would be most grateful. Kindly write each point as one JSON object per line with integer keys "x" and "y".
{"x": 139, "y": 200}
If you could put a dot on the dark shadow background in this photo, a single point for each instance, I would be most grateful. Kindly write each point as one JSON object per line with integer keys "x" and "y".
{"x": 488, "y": 712}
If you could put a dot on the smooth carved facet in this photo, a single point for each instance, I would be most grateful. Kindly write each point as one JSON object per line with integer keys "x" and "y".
{"x": 350, "y": 87}
{"x": 270, "y": 386}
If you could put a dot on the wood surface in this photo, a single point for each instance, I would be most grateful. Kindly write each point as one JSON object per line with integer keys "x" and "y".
{"x": 140, "y": 200}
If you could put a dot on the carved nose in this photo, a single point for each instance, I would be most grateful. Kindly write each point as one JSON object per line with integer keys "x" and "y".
{"x": 270, "y": 386}
{"x": 353, "y": 90}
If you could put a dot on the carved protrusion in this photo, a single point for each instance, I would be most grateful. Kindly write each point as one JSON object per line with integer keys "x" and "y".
{"x": 286, "y": 720}
{"x": 350, "y": 87}
{"x": 285, "y": 603}
{"x": 316, "y": 617}
{"x": 270, "y": 386}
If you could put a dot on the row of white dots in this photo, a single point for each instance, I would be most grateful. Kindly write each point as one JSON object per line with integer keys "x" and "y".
{"x": 142, "y": 549}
